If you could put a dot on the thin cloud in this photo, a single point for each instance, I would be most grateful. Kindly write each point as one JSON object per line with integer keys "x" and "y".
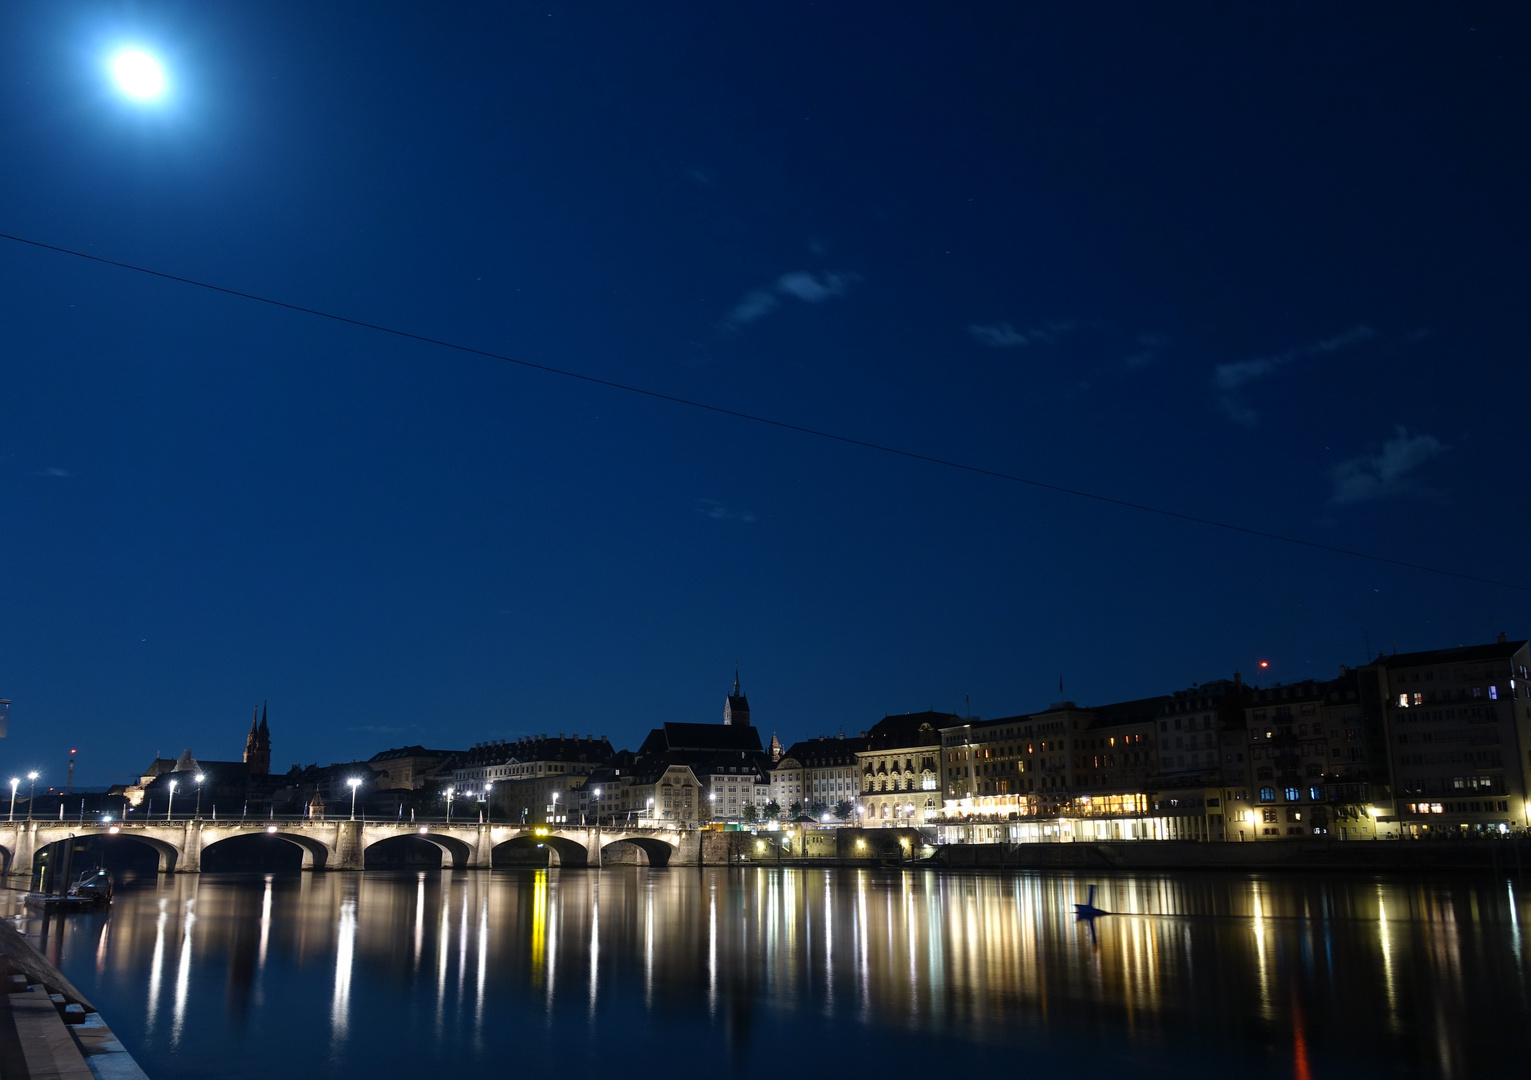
{"x": 1230, "y": 379}
{"x": 1385, "y": 473}
{"x": 1149, "y": 347}
{"x": 804, "y": 285}
{"x": 55, "y": 472}
{"x": 1004, "y": 336}
{"x": 711, "y": 508}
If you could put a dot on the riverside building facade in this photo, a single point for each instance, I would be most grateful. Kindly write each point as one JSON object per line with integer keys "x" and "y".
{"x": 899, "y": 763}
{"x": 1459, "y": 736}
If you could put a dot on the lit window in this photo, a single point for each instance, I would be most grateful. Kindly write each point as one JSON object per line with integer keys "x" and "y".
{"x": 1493, "y": 693}
{"x": 1267, "y": 794}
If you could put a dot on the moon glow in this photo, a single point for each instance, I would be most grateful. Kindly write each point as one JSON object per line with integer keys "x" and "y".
{"x": 138, "y": 74}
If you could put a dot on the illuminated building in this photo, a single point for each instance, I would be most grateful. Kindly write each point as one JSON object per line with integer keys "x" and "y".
{"x": 899, "y": 764}
{"x": 1458, "y": 734}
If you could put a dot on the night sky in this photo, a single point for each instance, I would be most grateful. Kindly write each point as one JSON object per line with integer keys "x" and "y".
{"x": 1260, "y": 263}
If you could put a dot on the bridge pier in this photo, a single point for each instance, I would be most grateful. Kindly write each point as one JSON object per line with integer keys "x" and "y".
{"x": 348, "y": 853}
{"x": 21, "y": 849}
{"x": 190, "y": 861}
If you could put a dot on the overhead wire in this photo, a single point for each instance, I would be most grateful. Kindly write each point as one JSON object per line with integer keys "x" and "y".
{"x": 783, "y": 425}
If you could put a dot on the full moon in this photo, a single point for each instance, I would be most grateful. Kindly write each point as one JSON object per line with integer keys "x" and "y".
{"x": 138, "y": 74}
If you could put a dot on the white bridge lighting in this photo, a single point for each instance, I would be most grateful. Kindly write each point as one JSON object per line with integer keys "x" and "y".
{"x": 138, "y": 74}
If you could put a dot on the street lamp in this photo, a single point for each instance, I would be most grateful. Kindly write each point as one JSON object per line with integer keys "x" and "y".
{"x": 712, "y": 810}
{"x": 31, "y": 792}
{"x": 488, "y": 806}
{"x": 650, "y": 811}
{"x": 170, "y": 803}
{"x": 449, "y": 806}
{"x": 15, "y": 783}
{"x": 597, "y": 806}
{"x": 200, "y": 777}
{"x": 555, "y": 808}
{"x": 355, "y": 783}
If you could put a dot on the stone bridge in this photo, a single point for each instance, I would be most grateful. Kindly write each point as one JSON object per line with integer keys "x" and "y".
{"x": 342, "y": 845}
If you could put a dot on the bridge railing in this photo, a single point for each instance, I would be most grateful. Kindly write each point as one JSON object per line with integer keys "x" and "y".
{"x": 138, "y": 821}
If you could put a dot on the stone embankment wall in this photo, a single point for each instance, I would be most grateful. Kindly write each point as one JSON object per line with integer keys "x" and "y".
{"x": 48, "y": 1028}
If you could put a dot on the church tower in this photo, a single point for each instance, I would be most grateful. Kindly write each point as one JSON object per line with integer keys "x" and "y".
{"x": 258, "y": 745}
{"x": 736, "y": 709}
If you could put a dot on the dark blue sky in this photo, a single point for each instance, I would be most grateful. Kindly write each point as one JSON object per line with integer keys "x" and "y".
{"x": 1263, "y": 263}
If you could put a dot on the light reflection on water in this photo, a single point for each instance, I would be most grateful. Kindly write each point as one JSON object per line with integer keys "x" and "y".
{"x": 247, "y": 975}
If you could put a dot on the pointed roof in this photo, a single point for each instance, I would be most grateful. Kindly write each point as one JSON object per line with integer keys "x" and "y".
{"x": 736, "y": 707}
{"x": 264, "y": 730}
{"x": 254, "y": 714}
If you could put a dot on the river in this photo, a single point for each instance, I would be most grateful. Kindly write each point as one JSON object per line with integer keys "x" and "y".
{"x": 797, "y": 973}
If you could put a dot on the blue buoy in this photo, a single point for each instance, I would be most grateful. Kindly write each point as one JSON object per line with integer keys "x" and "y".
{"x": 1088, "y": 910}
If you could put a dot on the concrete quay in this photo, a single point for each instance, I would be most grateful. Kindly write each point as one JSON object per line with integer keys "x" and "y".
{"x": 48, "y": 1030}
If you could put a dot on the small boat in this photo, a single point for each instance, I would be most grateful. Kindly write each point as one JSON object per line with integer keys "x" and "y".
{"x": 95, "y": 886}
{"x": 92, "y": 890}
{"x": 1088, "y": 910}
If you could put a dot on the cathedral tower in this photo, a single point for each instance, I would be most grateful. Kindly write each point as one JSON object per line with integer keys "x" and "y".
{"x": 258, "y": 745}
{"x": 736, "y": 708}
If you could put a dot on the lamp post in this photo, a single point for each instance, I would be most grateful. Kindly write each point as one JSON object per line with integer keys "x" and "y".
{"x": 597, "y": 828}
{"x": 200, "y": 777}
{"x": 170, "y": 803}
{"x": 15, "y": 783}
{"x": 355, "y": 783}
{"x": 712, "y": 808}
{"x": 650, "y": 812}
{"x": 555, "y": 808}
{"x": 449, "y": 806}
{"x": 488, "y": 806}
{"x": 31, "y": 792}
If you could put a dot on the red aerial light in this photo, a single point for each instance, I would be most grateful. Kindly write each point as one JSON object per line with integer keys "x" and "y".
{"x": 1265, "y": 663}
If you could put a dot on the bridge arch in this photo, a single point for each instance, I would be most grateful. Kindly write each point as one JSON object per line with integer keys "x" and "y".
{"x": 315, "y": 852}
{"x": 252, "y": 850}
{"x": 529, "y": 849}
{"x": 456, "y": 853}
{"x": 168, "y": 854}
{"x": 640, "y": 850}
{"x": 94, "y": 848}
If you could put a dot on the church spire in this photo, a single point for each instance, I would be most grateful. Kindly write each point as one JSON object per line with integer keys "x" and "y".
{"x": 258, "y": 743}
{"x": 736, "y": 707}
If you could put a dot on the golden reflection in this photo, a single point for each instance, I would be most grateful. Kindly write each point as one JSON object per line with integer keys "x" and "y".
{"x": 982, "y": 955}
{"x": 157, "y": 965}
{"x": 539, "y": 923}
{"x": 595, "y": 944}
{"x": 265, "y": 924}
{"x": 1389, "y": 979}
{"x": 182, "y": 974}
{"x": 345, "y": 946}
{"x": 1262, "y": 957}
{"x": 419, "y": 916}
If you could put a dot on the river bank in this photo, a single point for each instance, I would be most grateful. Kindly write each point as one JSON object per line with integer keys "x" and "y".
{"x": 49, "y": 1030}
{"x": 1307, "y": 855}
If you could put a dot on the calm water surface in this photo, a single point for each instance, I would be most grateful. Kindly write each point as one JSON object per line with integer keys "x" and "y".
{"x": 808, "y": 972}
